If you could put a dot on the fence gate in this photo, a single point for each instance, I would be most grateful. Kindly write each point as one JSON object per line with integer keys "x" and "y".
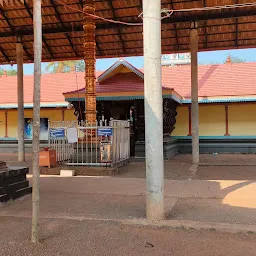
{"x": 104, "y": 143}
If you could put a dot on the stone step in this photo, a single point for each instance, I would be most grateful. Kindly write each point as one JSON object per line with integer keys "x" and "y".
{"x": 18, "y": 185}
{"x": 22, "y": 192}
{"x": 4, "y": 198}
{"x": 2, "y": 191}
{"x": 13, "y": 179}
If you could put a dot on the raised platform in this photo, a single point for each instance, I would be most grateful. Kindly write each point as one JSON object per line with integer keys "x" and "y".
{"x": 13, "y": 183}
{"x": 228, "y": 144}
{"x": 208, "y": 145}
{"x": 170, "y": 148}
{"x": 10, "y": 145}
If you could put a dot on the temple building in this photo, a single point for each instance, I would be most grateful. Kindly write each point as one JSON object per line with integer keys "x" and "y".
{"x": 227, "y": 108}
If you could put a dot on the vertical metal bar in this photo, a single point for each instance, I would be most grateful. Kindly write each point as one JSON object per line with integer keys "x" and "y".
{"x": 87, "y": 130}
{"x": 96, "y": 142}
{"x": 77, "y": 148}
{"x": 82, "y": 145}
{"x": 91, "y": 147}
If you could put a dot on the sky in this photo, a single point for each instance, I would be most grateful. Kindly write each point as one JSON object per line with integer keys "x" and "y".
{"x": 212, "y": 57}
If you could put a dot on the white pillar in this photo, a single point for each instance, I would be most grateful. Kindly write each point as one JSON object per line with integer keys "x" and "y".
{"x": 153, "y": 109}
{"x": 194, "y": 92}
{"x": 37, "y": 22}
{"x": 19, "y": 58}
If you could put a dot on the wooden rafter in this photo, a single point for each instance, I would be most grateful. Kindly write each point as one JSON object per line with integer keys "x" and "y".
{"x": 118, "y": 28}
{"x": 63, "y": 25}
{"x": 60, "y": 21}
{"x": 205, "y": 29}
{"x": 2, "y": 2}
{"x": 236, "y": 27}
{"x": 43, "y": 37}
{"x": 79, "y": 29}
{"x": 4, "y": 54}
{"x": 13, "y": 31}
{"x": 172, "y": 19}
{"x": 175, "y": 28}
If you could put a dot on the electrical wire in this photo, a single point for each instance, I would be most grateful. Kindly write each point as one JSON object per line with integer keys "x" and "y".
{"x": 167, "y": 12}
{"x": 218, "y": 7}
{"x": 98, "y": 17}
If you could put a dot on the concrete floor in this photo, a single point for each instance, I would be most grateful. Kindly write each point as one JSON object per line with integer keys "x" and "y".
{"x": 86, "y": 215}
{"x": 212, "y": 167}
{"x": 63, "y": 237}
{"x": 122, "y": 199}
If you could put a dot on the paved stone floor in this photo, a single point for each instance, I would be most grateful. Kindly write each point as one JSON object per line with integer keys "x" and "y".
{"x": 63, "y": 237}
{"x": 213, "y": 167}
{"x": 119, "y": 198}
{"x": 86, "y": 216}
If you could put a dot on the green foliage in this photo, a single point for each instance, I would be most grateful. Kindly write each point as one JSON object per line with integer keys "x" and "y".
{"x": 80, "y": 66}
{"x": 236, "y": 59}
{"x": 10, "y": 72}
{"x": 65, "y": 66}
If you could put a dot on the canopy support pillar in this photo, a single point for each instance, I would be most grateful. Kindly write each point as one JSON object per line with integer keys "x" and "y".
{"x": 153, "y": 109}
{"x": 37, "y": 22}
{"x": 194, "y": 92}
{"x": 19, "y": 58}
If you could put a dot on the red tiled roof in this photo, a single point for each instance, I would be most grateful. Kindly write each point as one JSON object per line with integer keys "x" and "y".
{"x": 122, "y": 82}
{"x": 214, "y": 80}
{"x": 236, "y": 79}
{"x": 52, "y": 87}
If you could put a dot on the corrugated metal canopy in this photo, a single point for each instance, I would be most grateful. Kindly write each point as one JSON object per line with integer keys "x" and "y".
{"x": 63, "y": 32}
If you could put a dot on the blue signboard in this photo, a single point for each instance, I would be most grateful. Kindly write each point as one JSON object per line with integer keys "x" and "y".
{"x": 108, "y": 131}
{"x": 56, "y": 133}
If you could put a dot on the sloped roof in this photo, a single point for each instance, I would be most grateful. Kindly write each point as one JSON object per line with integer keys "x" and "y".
{"x": 122, "y": 82}
{"x": 237, "y": 79}
{"x": 52, "y": 87}
{"x": 120, "y": 63}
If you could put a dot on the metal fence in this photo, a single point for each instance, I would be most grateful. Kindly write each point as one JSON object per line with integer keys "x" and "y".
{"x": 77, "y": 143}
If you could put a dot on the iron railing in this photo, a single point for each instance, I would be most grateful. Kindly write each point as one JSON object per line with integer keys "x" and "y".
{"x": 78, "y": 143}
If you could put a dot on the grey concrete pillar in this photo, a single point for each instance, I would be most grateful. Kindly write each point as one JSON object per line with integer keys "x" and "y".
{"x": 194, "y": 92}
{"x": 19, "y": 58}
{"x": 153, "y": 109}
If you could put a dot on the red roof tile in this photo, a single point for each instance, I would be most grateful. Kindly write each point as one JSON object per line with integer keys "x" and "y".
{"x": 122, "y": 82}
{"x": 214, "y": 80}
{"x": 52, "y": 87}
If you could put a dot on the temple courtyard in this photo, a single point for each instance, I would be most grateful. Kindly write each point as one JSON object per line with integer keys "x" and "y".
{"x": 210, "y": 210}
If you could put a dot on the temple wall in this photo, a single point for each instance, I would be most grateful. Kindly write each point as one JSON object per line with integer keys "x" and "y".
{"x": 51, "y": 114}
{"x": 212, "y": 122}
{"x": 2, "y": 124}
{"x": 182, "y": 120}
{"x": 242, "y": 119}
